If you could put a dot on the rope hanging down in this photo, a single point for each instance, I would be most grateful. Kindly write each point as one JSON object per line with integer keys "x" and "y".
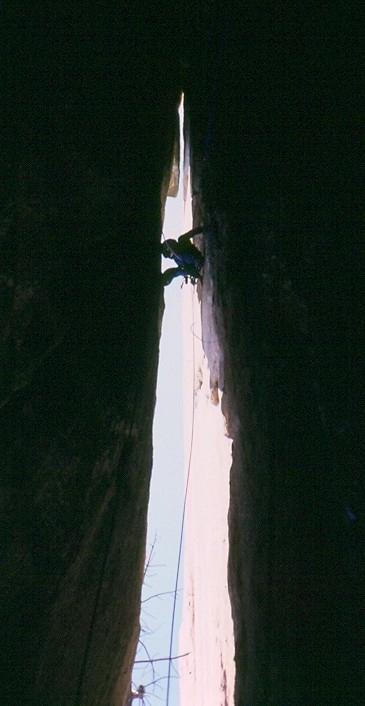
{"x": 182, "y": 529}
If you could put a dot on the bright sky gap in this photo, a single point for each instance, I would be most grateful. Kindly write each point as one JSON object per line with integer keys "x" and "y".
{"x": 166, "y": 492}
{"x": 186, "y": 649}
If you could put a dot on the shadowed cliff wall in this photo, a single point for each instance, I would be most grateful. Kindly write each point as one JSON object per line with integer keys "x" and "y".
{"x": 273, "y": 98}
{"x": 89, "y": 102}
{"x": 276, "y": 133}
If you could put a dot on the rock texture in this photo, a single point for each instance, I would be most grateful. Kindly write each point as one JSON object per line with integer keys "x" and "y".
{"x": 89, "y": 100}
{"x": 207, "y": 672}
{"x": 275, "y": 154}
{"x": 90, "y": 119}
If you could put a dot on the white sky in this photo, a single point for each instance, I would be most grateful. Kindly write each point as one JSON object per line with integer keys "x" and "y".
{"x": 166, "y": 493}
{"x": 207, "y": 632}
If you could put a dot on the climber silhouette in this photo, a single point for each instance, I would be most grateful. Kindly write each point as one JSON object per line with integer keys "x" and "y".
{"x": 188, "y": 258}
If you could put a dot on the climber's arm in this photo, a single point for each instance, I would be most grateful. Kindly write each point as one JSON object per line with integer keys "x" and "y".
{"x": 185, "y": 237}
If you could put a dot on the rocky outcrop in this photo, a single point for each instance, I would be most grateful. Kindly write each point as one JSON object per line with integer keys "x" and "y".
{"x": 87, "y": 146}
{"x": 89, "y": 100}
{"x": 275, "y": 135}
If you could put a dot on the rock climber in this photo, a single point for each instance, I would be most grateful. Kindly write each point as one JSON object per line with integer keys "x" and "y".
{"x": 188, "y": 258}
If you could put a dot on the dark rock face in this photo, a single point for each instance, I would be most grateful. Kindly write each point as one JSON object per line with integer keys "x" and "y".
{"x": 90, "y": 119}
{"x": 276, "y": 164}
{"x": 89, "y": 103}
